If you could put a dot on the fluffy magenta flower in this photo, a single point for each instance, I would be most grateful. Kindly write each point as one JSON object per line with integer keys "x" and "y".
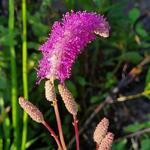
{"x": 67, "y": 39}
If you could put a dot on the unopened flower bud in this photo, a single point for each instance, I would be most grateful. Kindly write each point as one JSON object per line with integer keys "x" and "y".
{"x": 31, "y": 110}
{"x": 50, "y": 91}
{"x": 107, "y": 142}
{"x": 68, "y": 99}
{"x": 101, "y": 130}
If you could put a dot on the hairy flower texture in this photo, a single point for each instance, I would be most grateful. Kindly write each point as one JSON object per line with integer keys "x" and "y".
{"x": 107, "y": 142}
{"x": 68, "y": 99}
{"x": 101, "y": 130}
{"x": 31, "y": 110}
{"x": 67, "y": 39}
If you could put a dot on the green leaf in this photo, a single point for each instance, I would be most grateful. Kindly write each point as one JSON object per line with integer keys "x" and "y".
{"x": 111, "y": 80}
{"x": 95, "y": 99}
{"x": 3, "y": 83}
{"x": 133, "y": 57}
{"x": 134, "y": 14}
{"x": 33, "y": 45}
{"x": 137, "y": 126}
{"x": 72, "y": 88}
{"x": 29, "y": 143}
{"x": 70, "y": 4}
{"x": 98, "y": 98}
{"x": 1, "y": 143}
{"x": 141, "y": 31}
{"x": 86, "y": 4}
{"x": 37, "y": 26}
{"x": 81, "y": 80}
{"x": 147, "y": 83}
{"x": 145, "y": 144}
{"x": 119, "y": 145}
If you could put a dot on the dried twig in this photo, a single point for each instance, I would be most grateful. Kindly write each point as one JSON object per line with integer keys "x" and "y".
{"x": 137, "y": 133}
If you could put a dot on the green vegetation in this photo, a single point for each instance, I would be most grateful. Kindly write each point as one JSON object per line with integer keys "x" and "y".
{"x": 118, "y": 62}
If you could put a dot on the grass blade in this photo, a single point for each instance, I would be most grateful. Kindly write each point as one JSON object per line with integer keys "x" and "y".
{"x": 13, "y": 75}
{"x": 24, "y": 71}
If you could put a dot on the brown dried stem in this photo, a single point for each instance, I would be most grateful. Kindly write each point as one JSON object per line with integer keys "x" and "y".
{"x": 131, "y": 135}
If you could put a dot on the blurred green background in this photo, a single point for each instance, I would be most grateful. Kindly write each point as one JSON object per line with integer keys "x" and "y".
{"x": 103, "y": 65}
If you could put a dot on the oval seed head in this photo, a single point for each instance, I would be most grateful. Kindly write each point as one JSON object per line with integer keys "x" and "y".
{"x": 101, "y": 130}
{"x": 68, "y": 99}
{"x": 50, "y": 91}
{"x": 107, "y": 142}
{"x": 31, "y": 110}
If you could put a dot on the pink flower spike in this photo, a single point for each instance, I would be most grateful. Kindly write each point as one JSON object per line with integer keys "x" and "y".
{"x": 67, "y": 39}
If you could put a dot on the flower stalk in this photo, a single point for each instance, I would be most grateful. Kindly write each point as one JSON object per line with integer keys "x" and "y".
{"x": 75, "y": 124}
{"x": 52, "y": 134}
{"x": 59, "y": 125}
{"x": 51, "y": 96}
{"x": 72, "y": 108}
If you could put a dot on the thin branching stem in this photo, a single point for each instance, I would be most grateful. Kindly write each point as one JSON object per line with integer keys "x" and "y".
{"x": 53, "y": 134}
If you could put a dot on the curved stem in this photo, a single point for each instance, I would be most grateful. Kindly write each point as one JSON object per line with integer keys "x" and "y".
{"x": 24, "y": 71}
{"x": 75, "y": 124}
{"x": 59, "y": 125}
{"x": 53, "y": 135}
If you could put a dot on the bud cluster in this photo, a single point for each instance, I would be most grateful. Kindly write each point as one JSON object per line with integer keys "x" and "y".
{"x": 102, "y": 137}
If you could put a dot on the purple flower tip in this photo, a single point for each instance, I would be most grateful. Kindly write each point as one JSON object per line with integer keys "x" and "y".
{"x": 67, "y": 39}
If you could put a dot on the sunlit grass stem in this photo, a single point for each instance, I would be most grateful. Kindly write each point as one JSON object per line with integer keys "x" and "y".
{"x": 24, "y": 71}
{"x": 13, "y": 75}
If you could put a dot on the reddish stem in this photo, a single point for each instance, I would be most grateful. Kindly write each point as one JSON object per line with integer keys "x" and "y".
{"x": 53, "y": 134}
{"x": 59, "y": 125}
{"x": 75, "y": 124}
{"x": 97, "y": 146}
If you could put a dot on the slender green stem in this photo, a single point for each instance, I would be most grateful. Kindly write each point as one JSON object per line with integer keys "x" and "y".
{"x": 24, "y": 71}
{"x": 13, "y": 75}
